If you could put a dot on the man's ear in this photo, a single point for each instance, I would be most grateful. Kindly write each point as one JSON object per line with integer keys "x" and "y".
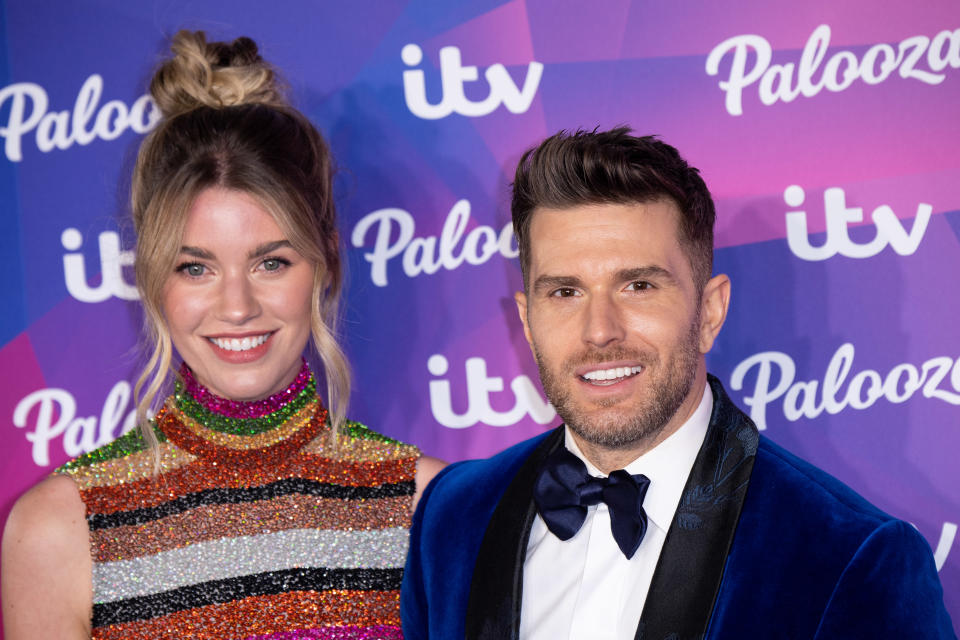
{"x": 521, "y": 299}
{"x": 713, "y": 310}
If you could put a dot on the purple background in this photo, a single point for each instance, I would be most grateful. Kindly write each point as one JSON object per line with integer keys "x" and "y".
{"x": 606, "y": 63}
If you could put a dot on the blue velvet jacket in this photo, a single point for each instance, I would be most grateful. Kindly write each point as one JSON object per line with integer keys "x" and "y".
{"x": 763, "y": 546}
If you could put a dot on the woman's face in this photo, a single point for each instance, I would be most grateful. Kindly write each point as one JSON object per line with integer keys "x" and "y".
{"x": 238, "y": 303}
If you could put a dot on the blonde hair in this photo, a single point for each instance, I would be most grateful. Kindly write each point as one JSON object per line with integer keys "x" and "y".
{"x": 226, "y": 124}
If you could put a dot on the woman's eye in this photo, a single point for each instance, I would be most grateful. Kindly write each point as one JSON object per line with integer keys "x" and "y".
{"x": 274, "y": 264}
{"x": 192, "y": 269}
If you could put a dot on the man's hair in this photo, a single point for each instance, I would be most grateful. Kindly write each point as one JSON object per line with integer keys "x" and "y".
{"x": 613, "y": 167}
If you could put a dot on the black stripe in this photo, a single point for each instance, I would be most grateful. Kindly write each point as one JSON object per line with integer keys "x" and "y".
{"x": 251, "y": 494}
{"x": 230, "y": 589}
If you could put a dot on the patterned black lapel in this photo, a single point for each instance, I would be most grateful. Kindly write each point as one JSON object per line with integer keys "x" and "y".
{"x": 688, "y": 575}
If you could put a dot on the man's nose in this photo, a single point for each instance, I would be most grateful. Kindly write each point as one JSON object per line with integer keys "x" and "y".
{"x": 603, "y": 324}
{"x": 238, "y": 300}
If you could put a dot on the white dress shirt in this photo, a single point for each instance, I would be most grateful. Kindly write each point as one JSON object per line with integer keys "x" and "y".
{"x": 584, "y": 588}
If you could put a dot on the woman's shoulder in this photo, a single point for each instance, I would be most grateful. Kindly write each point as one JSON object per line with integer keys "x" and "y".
{"x": 361, "y": 443}
{"x": 44, "y": 514}
{"x": 46, "y": 557}
{"x": 43, "y": 508}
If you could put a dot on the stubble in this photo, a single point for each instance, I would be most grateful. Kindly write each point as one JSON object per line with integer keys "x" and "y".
{"x": 619, "y": 423}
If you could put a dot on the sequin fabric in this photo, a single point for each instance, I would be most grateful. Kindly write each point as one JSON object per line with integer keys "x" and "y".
{"x": 256, "y": 526}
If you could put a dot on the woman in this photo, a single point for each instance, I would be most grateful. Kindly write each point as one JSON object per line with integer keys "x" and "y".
{"x": 246, "y": 508}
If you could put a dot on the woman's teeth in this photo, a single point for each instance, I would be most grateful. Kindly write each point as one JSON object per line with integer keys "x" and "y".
{"x": 611, "y": 374}
{"x": 240, "y": 344}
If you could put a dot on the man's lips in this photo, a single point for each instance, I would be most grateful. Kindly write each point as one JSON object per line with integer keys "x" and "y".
{"x": 606, "y": 374}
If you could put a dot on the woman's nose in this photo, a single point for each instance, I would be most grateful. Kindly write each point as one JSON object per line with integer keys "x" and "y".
{"x": 238, "y": 301}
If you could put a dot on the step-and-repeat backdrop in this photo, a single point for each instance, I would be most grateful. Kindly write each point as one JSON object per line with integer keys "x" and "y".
{"x": 828, "y": 133}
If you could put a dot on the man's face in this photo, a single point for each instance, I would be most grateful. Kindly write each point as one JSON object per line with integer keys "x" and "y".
{"x": 613, "y": 317}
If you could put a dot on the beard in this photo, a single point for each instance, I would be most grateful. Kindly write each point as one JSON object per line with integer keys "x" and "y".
{"x": 619, "y": 423}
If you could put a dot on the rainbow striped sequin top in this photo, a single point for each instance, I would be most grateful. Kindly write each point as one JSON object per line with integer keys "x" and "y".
{"x": 255, "y": 528}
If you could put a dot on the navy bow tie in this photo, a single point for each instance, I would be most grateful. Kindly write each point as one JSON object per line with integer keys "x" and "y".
{"x": 564, "y": 490}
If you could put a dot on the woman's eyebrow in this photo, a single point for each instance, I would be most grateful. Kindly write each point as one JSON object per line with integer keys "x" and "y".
{"x": 269, "y": 247}
{"x": 196, "y": 252}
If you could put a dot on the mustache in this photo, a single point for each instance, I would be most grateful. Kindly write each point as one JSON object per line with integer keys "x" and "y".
{"x": 597, "y": 356}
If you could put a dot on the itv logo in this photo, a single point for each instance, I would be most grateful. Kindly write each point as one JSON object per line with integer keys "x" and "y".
{"x": 890, "y": 230}
{"x": 453, "y": 75}
{"x": 113, "y": 260}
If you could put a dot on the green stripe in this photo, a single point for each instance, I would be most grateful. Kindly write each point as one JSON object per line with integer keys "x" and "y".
{"x": 129, "y": 443}
{"x": 358, "y": 430}
{"x": 242, "y": 426}
{"x": 133, "y": 442}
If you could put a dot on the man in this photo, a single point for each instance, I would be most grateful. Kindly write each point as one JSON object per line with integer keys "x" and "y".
{"x": 657, "y": 511}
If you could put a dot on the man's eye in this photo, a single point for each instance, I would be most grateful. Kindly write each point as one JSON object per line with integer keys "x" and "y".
{"x": 640, "y": 285}
{"x": 564, "y": 292}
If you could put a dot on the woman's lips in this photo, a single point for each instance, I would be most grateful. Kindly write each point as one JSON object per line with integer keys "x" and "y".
{"x": 239, "y": 350}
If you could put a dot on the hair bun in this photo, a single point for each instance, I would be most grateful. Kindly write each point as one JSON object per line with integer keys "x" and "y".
{"x": 213, "y": 74}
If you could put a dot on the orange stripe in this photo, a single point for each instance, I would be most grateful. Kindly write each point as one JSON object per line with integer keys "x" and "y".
{"x": 258, "y": 615}
{"x": 272, "y": 456}
{"x": 202, "y": 475}
{"x": 248, "y": 519}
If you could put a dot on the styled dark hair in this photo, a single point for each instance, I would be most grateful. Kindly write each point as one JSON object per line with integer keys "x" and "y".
{"x": 226, "y": 124}
{"x": 613, "y": 167}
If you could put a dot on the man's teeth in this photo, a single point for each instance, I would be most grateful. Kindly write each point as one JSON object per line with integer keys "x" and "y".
{"x": 240, "y": 344}
{"x": 612, "y": 374}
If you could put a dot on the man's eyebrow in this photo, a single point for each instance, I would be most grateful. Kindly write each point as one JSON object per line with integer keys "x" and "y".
{"x": 196, "y": 252}
{"x": 649, "y": 272}
{"x": 548, "y": 282}
{"x": 269, "y": 247}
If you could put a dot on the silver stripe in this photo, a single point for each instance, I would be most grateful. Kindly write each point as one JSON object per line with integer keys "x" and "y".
{"x": 248, "y": 555}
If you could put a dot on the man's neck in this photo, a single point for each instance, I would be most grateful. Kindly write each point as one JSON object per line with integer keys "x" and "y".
{"x": 609, "y": 460}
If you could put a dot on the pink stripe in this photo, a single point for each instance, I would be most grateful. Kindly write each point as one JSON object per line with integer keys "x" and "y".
{"x": 239, "y": 408}
{"x": 380, "y": 632}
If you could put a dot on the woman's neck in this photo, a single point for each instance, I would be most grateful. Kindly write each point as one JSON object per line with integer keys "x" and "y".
{"x": 240, "y": 409}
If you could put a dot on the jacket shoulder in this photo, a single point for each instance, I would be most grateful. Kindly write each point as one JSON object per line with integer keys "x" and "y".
{"x": 797, "y": 482}
{"x": 802, "y": 531}
{"x": 468, "y": 481}
{"x": 448, "y": 527}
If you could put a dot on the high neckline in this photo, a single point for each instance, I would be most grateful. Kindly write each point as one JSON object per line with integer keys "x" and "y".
{"x": 242, "y": 433}
{"x": 240, "y": 408}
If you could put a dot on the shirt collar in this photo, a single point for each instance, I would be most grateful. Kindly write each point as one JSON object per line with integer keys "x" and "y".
{"x": 667, "y": 465}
